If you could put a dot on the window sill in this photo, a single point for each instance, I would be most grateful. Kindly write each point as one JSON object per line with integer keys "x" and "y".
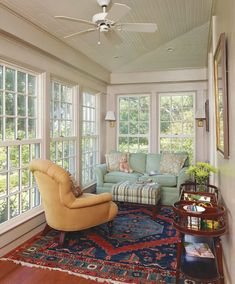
{"x": 20, "y": 220}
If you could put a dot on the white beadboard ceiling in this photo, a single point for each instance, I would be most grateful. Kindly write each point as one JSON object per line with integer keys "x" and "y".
{"x": 183, "y": 25}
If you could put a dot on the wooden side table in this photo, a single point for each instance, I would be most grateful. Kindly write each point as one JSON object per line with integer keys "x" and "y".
{"x": 195, "y": 227}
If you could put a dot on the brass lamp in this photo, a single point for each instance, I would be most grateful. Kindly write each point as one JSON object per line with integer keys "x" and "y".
{"x": 110, "y": 116}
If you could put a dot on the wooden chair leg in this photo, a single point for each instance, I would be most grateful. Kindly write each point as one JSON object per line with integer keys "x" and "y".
{"x": 62, "y": 238}
{"x": 110, "y": 227}
{"x": 46, "y": 230}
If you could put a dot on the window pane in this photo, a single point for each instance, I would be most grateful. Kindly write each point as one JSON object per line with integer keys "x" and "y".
{"x": 25, "y": 152}
{"x": 14, "y": 205}
{"x": 14, "y": 156}
{"x": 123, "y": 144}
{"x": 124, "y": 104}
{"x": 133, "y": 144}
{"x": 21, "y": 105}
{"x": 25, "y": 201}
{"x": 21, "y": 82}
{"x": 3, "y": 210}
{"x": 1, "y": 77}
{"x": 31, "y": 106}
{"x": 14, "y": 181}
{"x": 134, "y": 128}
{"x": 134, "y": 103}
{"x": 10, "y": 104}
{"x": 32, "y": 128}
{"x": 31, "y": 85}
{"x": 21, "y": 133}
{"x": 1, "y": 103}
{"x": 165, "y": 144}
{"x": 3, "y": 185}
{"x": 1, "y": 128}
{"x": 10, "y": 128}
{"x": 3, "y": 158}
{"x": 10, "y": 79}
{"x": 143, "y": 128}
{"x": 25, "y": 179}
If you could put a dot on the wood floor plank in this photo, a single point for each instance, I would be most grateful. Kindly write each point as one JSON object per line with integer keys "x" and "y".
{"x": 11, "y": 273}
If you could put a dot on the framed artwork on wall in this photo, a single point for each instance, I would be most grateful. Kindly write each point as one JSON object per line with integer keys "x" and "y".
{"x": 221, "y": 97}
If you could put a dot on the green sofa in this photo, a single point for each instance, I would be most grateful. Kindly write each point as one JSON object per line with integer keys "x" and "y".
{"x": 142, "y": 164}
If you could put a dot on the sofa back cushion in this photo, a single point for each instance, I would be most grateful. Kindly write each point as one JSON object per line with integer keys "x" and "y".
{"x": 172, "y": 163}
{"x": 113, "y": 160}
{"x": 153, "y": 163}
{"x": 138, "y": 162}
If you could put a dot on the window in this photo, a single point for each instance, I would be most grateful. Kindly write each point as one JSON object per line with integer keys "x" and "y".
{"x": 177, "y": 122}
{"x": 63, "y": 139}
{"x": 133, "y": 123}
{"x": 90, "y": 138}
{"x": 19, "y": 141}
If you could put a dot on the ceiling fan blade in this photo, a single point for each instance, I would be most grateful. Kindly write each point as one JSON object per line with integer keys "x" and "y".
{"x": 117, "y": 11}
{"x": 79, "y": 33}
{"x": 113, "y": 37}
{"x": 75, "y": 20}
{"x": 137, "y": 27}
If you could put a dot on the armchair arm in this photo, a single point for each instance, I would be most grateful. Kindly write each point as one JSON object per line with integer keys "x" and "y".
{"x": 88, "y": 199}
{"x": 100, "y": 171}
{"x": 182, "y": 177}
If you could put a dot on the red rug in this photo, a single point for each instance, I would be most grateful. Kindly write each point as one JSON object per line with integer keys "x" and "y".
{"x": 140, "y": 250}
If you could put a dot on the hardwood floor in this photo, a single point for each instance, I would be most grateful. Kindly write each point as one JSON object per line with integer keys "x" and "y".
{"x": 11, "y": 273}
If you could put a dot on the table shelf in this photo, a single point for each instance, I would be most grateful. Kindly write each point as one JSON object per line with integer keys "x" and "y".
{"x": 200, "y": 227}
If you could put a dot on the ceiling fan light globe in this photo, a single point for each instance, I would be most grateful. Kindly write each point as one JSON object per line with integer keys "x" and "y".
{"x": 103, "y": 3}
{"x": 98, "y": 18}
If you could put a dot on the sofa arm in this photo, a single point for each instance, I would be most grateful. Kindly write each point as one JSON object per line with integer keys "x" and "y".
{"x": 100, "y": 171}
{"x": 182, "y": 177}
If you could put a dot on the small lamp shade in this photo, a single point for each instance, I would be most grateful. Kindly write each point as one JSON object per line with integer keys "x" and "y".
{"x": 200, "y": 116}
{"x": 110, "y": 116}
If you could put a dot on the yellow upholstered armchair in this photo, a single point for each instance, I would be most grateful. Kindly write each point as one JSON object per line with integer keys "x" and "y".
{"x": 63, "y": 211}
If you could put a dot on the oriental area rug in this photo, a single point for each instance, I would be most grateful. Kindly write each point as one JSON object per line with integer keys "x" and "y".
{"x": 140, "y": 249}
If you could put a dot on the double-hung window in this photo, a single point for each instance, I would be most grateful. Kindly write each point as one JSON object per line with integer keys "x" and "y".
{"x": 177, "y": 122}
{"x": 90, "y": 137}
{"x": 133, "y": 123}
{"x": 20, "y": 141}
{"x": 62, "y": 130}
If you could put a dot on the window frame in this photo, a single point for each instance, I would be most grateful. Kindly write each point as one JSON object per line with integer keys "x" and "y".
{"x": 148, "y": 136}
{"x": 33, "y": 211}
{"x": 177, "y": 93}
{"x": 75, "y": 133}
{"x": 96, "y": 136}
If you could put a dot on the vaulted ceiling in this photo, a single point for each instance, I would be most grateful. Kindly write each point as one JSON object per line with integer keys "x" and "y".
{"x": 180, "y": 41}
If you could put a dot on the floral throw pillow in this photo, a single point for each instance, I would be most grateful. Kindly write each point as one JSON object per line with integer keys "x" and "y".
{"x": 172, "y": 163}
{"x": 113, "y": 160}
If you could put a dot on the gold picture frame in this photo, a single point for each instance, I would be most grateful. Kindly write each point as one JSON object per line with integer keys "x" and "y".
{"x": 221, "y": 97}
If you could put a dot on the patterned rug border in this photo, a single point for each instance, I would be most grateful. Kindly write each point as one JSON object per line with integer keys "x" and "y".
{"x": 27, "y": 264}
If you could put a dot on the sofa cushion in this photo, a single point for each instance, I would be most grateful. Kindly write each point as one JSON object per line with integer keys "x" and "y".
{"x": 172, "y": 163}
{"x": 165, "y": 179}
{"x": 113, "y": 160}
{"x": 153, "y": 162}
{"x": 114, "y": 177}
{"x": 138, "y": 162}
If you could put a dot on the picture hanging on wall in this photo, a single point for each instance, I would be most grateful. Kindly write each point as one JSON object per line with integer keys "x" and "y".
{"x": 221, "y": 97}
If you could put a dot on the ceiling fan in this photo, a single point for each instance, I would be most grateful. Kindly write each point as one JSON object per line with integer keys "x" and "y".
{"x": 108, "y": 22}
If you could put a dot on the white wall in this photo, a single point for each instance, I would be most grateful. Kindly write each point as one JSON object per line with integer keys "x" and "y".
{"x": 224, "y": 21}
{"x": 25, "y": 45}
{"x": 154, "y": 83}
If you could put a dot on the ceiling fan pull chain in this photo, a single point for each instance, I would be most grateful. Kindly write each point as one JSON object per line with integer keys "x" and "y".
{"x": 99, "y": 38}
